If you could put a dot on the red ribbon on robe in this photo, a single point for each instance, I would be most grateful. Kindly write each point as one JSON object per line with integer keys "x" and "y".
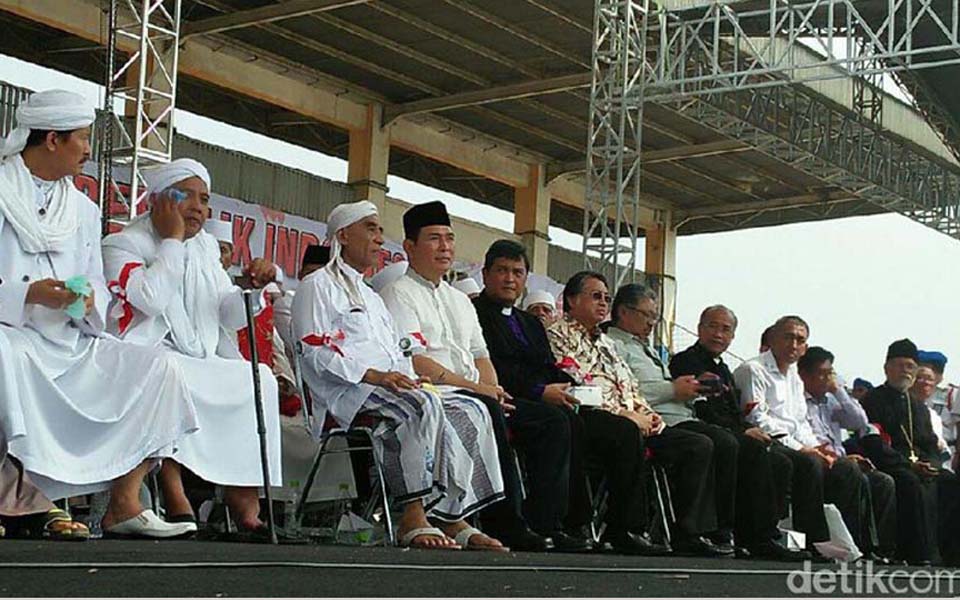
{"x": 118, "y": 287}
{"x": 327, "y": 340}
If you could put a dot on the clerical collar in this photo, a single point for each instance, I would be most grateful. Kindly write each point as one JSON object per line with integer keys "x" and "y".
{"x": 506, "y": 311}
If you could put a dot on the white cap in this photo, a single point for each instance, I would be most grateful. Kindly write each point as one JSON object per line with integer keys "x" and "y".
{"x": 222, "y": 230}
{"x": 388, "y": 275}
{"x": 539, "y": 297}
{"x": 467, "y": 285}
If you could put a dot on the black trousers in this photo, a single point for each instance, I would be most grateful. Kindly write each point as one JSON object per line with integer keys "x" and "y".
{"x": 604, "y": 442}
{"x": 688, "y": 457}
{"x": 883, "y": 505}
{"x": 948, "y": 510}
{"x": 847, "y": 487}
{"x": 803, "y": 482}
{"x": 542, "y": 433}
{"x": 725, "y": 467}
{"x": 916, "y": 515}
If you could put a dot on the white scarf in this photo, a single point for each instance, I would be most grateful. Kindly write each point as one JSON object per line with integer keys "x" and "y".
{"x": 37, "y": 234}
{"x": 340, "y": 217}
{"x": 50, "y": 110}
{"x": 193, "y": 315}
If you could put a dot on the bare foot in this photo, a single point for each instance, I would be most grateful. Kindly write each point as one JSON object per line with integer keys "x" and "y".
{"x": 119, "y": 510}
{"x": 409, "y": 522}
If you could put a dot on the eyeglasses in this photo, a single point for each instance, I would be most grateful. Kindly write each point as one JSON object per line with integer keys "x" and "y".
{"x": 649, "y": 314}
{"x": 598, "y": 296}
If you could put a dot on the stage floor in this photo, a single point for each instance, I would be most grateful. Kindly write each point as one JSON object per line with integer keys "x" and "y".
{"x": 194, "y": 568}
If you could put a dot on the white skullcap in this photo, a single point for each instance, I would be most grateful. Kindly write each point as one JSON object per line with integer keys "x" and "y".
{"x": 539, "y": 297}
{"x": 346, "y": 215}
{"x": 175, "y": 171}
{"x": 51, "y": 110}
{"x": 388, "y": 275}
{"x": 467, "y": 285}
{"x": 222, "y": 230}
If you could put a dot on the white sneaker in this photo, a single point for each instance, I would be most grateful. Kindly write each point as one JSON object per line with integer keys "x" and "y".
{"x": 148, "y": 525}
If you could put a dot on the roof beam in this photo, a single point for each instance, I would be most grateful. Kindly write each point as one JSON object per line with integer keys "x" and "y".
{"x": 261, "y": 15}
{"x": 651, "y": 157}
{"x": 510, "y": 91}
{"x": 802, "y": 201}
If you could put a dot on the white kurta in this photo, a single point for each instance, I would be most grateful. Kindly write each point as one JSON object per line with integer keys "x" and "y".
{"x": 147, "y": 276}
{"x": 77, "y": 408}
{"x": 426, "y": 439}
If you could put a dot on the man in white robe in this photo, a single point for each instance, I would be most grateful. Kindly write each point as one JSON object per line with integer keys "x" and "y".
{"x": 80, "y": 411}
{"x": 437, "y": 447}
{"x": 170, "y": 292}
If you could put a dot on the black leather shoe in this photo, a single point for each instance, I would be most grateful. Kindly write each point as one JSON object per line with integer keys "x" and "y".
{"x": 723, "y": 542}
{"x": 771, "y": 550}
{"x": 634, "y": 544}
{"x": 700, "y": 546}
{"x": 524, "y": 540}
{"x": 565, "y": 542}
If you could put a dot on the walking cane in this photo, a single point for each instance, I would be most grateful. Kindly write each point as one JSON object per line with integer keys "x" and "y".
{"x": 258, "y": 402}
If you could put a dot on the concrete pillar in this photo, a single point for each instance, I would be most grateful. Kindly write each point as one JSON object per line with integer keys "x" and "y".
{"x": 661, "y": 273}
{"x": 368, "y": 159}
{"x": 531, "y": 218}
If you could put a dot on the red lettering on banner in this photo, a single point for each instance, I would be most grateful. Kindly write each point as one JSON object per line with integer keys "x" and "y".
{"x": 288, "y": 241}
{"x": 269, "y": 240}
{"x": 242, "y": 229}
{"x": 306, "y": 239}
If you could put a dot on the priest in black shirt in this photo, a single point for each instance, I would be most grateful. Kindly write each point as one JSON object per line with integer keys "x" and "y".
{"x": 526, "y": 368}
{"x": 907, "y": 450}
{"x": 762, "y": 476}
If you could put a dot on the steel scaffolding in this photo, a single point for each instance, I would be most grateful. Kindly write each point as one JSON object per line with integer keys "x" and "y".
{"x": 613, "y": 146}
{"x": 145, "y": 82}
{"x": 733, "y": 66}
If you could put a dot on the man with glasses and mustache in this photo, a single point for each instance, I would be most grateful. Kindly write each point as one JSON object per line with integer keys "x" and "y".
{"x": 907, "y": 450}
{"x": 591, "y": 357}
{"x": 772, "y": 399}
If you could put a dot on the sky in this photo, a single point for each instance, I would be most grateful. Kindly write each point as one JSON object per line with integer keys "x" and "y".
{"x": 860, "y": 282}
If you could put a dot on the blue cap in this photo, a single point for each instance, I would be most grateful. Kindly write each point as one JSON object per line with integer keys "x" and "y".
{"x": 858, "y": 382}
{"x": 932, "y": 357}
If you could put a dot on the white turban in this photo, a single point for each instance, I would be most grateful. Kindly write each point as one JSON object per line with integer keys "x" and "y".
{"x": 388, "y": 275}
{"x": 222, "y": 230}
{"x": 539, "y": 297}
{"x": 175, "y": 171}
{"x": 50, "y": 110}
{"x": 467, "y": 285}
{"x": 340, "y": 217}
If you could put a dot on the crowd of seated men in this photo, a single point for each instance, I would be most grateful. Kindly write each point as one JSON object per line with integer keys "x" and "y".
{"x": 493, "y": 423}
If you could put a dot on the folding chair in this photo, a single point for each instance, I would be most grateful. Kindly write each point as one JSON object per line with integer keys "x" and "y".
{"x": 599, "y": 497}
{"x": 361, "y": 430}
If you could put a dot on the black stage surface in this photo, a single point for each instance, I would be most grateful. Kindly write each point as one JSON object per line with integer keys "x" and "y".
{"x": 193, "y": 568}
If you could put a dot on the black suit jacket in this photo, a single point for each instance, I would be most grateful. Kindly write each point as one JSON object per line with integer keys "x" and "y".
{"x": 722, "y": 410}
{"x": 520, "y": 369}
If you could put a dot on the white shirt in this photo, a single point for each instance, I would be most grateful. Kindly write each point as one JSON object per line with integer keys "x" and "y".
{"x": 775, "y": 402}
{"x": 348, "y": 340}
{"x": 443, "y": 317}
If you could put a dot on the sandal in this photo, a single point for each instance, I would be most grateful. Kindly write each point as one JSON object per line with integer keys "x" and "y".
{"x": 464, "y": 536}
{"x": 406, "y": 540}
{"x": 54, "y": 525}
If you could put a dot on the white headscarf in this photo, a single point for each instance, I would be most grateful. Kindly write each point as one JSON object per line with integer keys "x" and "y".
{"x": 175, "y": 171}
{"x": 52, "y": 110}
{"x": 539, "y": 297}
{"x": 221, "y": 230}
{"x": 467, "y": 285}
{"x": 341, "y": 217}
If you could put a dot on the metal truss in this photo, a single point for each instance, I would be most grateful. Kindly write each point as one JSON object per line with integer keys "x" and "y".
{"x": 146, "y": 83}
{"x": 613, "y": 146}
{"x": 729, "y": 46}
{"x": 797, "y": 126}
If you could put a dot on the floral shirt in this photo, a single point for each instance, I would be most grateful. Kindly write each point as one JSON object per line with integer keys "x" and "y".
{"x": 590, "y": 358}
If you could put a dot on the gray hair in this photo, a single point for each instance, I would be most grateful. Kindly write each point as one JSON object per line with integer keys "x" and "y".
{"x": 718, "y": 307}
{"x": 791, "y": 319}
{"x": 631, "y": 294}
